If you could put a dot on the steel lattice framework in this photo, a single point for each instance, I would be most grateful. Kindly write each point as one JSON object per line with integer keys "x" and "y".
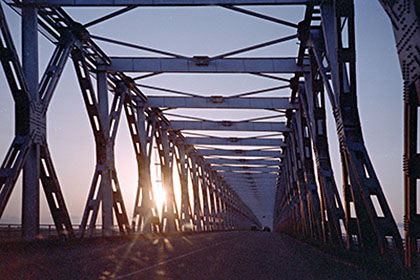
{"x": 297, "y": 150}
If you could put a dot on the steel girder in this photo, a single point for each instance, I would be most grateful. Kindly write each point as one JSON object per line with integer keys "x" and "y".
{"x": 306, "y": 186}
{"x": 360, "y": 181}
{"x": 105, "y": 187}
{"x": 227, "y": 208}
{"x": 313, "y": 106}
{"x": 204, "y": 65}
{"x": 235, "y": 141}
{"x": 167, "y": 2}
{"x": 405, "y": 18}
{"x": 246, "y": 168}
{"x": 326, "y": 44}
{"x": 198, "y": 215}
{"x": 296, "y": 201}
{"x": 182, "y": 165}
{"x": 243, "y": 161}
{"x": 165, "y": 144}
{"x": 219, "y": 102}
{"x": 142, "y": 130}
{"x": 29, "y": 150}
{"x": 230, "y": 126}
{"x": 244, "y": 153}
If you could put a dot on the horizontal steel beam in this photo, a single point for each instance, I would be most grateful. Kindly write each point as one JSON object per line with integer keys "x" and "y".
{"x": 261, "y": 177}
{"x": 243, "y": 161}
{"x": 218, "y": 102}
{"x": 248, "y": 185}
{"x": 247, "y": 175}
{"x": 261, "y": 180}
{"x": 234, "y": 141}
{"x": 231, "y": 126}
{"x": 245, "y": 168}
{"x": 224, "y": 65}
{"x": 269, "y": 182}
{"x": 211, "y": 152}
{"x": 167, "y": 2}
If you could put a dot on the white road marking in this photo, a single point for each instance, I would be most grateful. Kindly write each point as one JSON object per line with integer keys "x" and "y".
{"x": 173, "y": 259}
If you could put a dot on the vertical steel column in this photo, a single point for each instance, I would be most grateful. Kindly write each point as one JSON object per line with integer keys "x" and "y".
{"x": 405, "y": 19}
{"x": 305, "y": 152}
{"x": 411, "y": 173}
{"x": 182, "y": 164}
{"x": 203, "y": 184}
{"x": 213, "y": 186}
{"x": 210, "y": 190}
{"x": 313, "y": 104}
{"x": 374, "y": 229}
{"x": 297, "y": 192}
{"x": 105, "y": 187}
{"x": 145, "y": 214}
{"x": 217, "y": 190}
{"x": 31, "y": 105}
{"x": 170, "y": 216}
{"x": 229, "y": 207}
{"x": 31, "y": 169}
{"x": 222, "y": 201}
{"x": 107, "y": 153}
{"x": 295, "y": 139}
{"x": 198, "y": 213}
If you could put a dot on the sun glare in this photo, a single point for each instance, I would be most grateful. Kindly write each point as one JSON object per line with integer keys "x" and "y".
{"x": 160, "y": 197}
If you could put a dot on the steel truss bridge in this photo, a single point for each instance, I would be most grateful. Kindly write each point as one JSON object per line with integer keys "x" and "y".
{"x": 286, "y": 159}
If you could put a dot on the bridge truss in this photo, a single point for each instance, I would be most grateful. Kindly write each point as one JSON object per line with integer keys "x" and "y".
{"x": 286, "y": 152}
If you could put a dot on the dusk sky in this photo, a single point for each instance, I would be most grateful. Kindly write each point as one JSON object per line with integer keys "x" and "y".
{"x": 211, "y": 31}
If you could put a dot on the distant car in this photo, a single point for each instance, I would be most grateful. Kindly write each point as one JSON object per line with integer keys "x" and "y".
{"x": 267, "y": 229}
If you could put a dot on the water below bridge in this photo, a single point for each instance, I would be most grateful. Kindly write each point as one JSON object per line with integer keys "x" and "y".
{"x": 219, "y": 255}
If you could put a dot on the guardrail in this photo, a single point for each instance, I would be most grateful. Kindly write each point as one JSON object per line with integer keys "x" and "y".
{"x": 13, "y": 231}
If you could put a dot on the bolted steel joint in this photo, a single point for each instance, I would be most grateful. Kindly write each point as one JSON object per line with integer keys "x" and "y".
{"x": 294, "y": 84}
{"x": 302, "y": 30}
{"x": 37, "y": 124}
{"x": 79, "y": 31}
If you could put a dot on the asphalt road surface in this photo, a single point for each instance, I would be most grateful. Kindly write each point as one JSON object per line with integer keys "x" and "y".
{"x": 228, "y": 255}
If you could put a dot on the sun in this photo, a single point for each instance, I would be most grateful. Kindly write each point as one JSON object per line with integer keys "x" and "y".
{"x": 160, "y": 197}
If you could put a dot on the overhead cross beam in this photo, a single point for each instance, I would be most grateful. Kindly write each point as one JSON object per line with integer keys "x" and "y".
{"x": 245, "y": 153}
{"x": 204, "y": 65}
{"x": 220, "y": 102}
{"x": 235, "y": 141}
{"x": 230, "y": 126}
{"x": 168, "y": 2}
{"x": 246, "y": 168}
{"x": 243, "y": 161}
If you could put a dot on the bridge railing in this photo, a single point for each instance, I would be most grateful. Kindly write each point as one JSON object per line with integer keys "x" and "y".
{"x": 14, "y": 231}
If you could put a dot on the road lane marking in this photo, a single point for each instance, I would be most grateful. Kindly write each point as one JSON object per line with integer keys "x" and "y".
{"x": 173, "y": 259}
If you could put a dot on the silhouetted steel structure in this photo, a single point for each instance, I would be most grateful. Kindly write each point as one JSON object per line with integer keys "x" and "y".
{"x": 304, "y": 205}
{"x": 405, "y": 19}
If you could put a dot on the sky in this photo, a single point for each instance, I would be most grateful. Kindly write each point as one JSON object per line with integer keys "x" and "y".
{"x": 211, "y": 31}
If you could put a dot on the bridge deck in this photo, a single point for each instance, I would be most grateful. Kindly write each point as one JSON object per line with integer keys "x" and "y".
{"x": 228, "y": 255}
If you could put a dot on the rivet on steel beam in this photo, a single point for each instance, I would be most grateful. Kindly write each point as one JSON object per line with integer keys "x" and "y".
{"x": 217, "y": 99}
{"x": 201, "y": 60}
